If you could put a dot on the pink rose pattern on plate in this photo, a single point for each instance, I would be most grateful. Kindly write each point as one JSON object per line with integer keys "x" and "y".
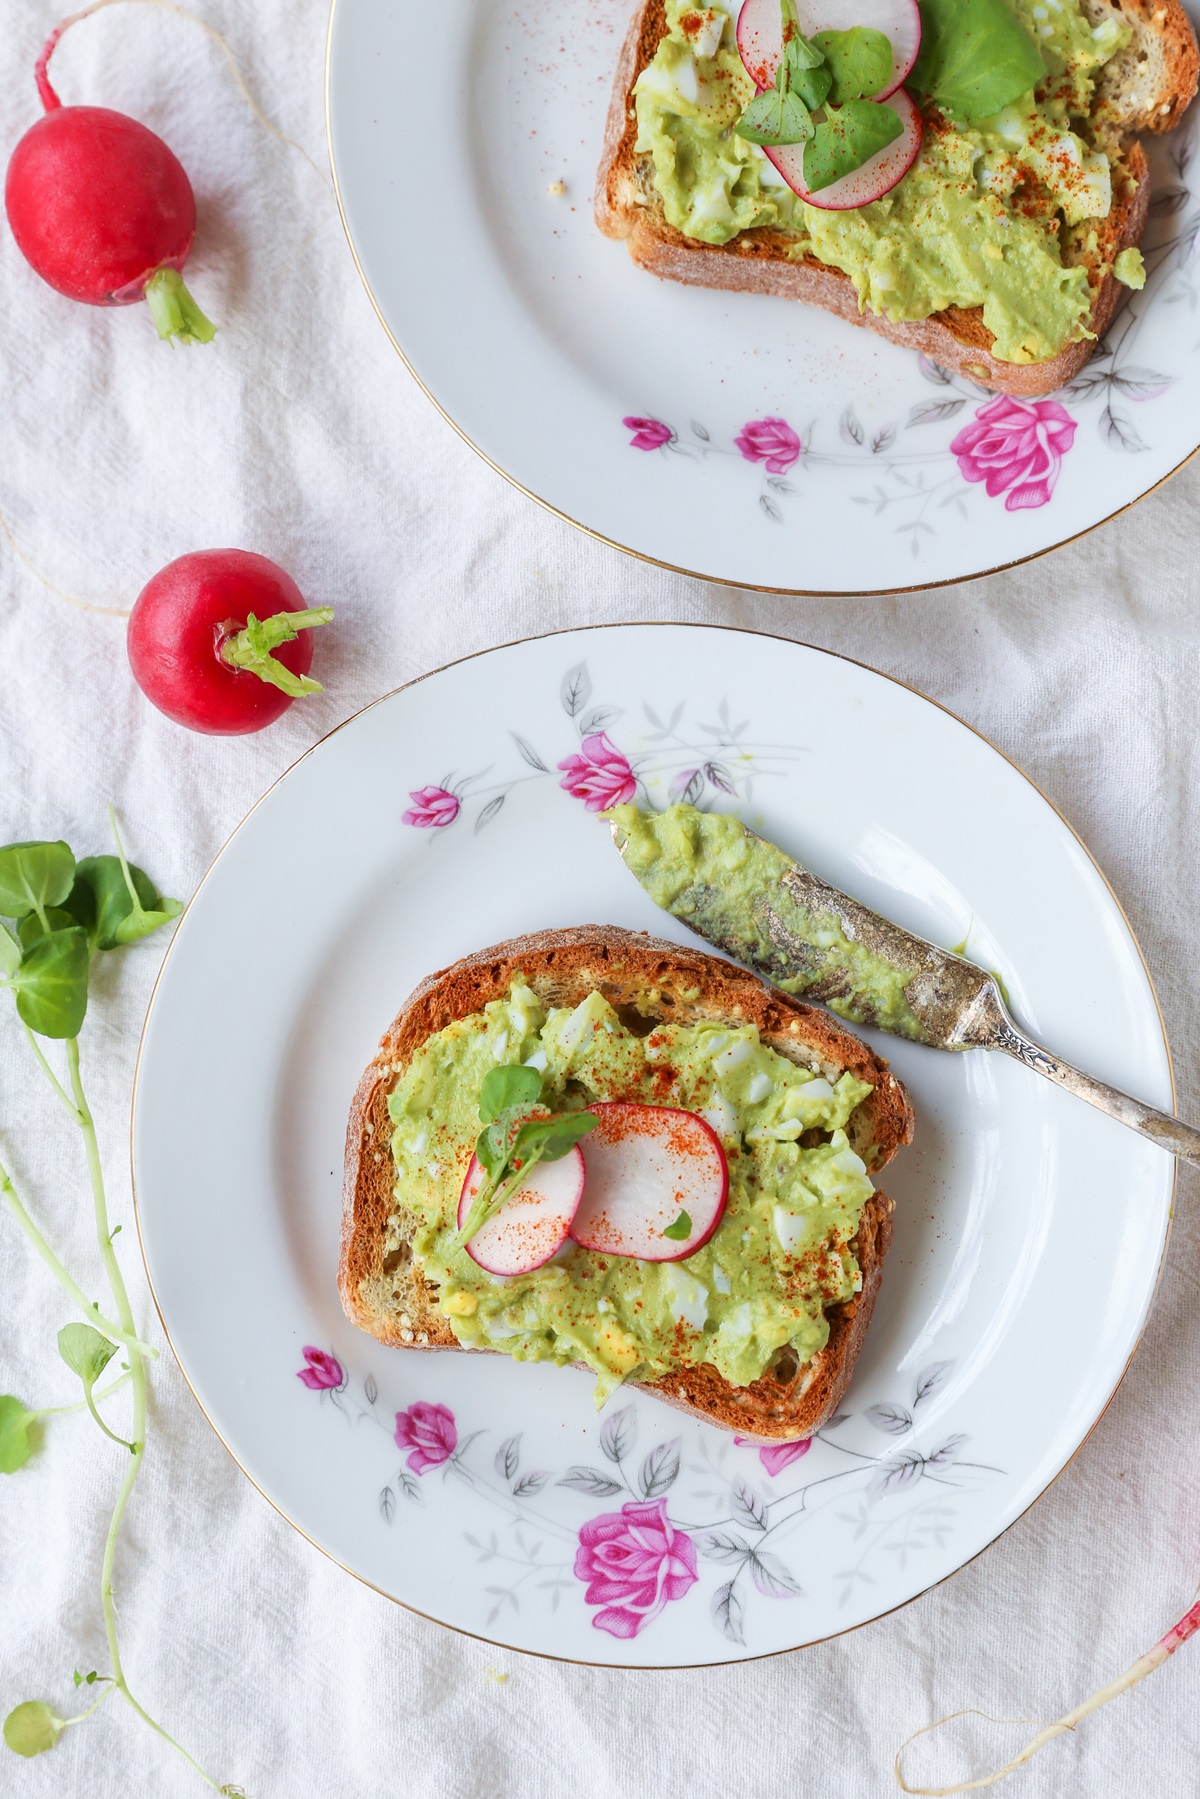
{"x": 700, "y": 760}
{"x": 1016, "y": 448}
{"x": 771, "y": 441}
{"x": 634, "y": 1562}
{"x": 775, "y": 1457}
{"x": 599, "y": 774}
{"x": 631, "y": 1561}
{"x": 430, "y": 1432}
{"x": 324, "y": 1373}
{"x": 433, "y": 808}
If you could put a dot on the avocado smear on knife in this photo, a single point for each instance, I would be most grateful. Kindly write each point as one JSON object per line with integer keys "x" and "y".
{"x": 1001, "y": 213}
{"x": 708, "y": 870}
{"x": 780, "y": 1256}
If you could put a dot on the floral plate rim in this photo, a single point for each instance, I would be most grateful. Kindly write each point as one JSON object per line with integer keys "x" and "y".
{"x": 315, "y": 1357}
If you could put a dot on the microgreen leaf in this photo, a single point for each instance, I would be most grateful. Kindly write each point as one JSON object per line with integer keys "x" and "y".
{"x": 51, "y": 983}
{"x": 101, "y": 902}
{"x": 85, "y": 1351}
{"x": 10, "y": 951}
{"x": 859, "y": 62}
{"x": 504, "y": 1088}
{"x": 798, "y": 53}
{"x": 34, "y": 876}
{"x": 681, "y": 1230}
{"x": 15, "y": 1424}
{"x": 549, "y": 1139}
{"x": 775, "y": 118}
{"x": 30, "y": 928}
{"x": 32, "y": 1728}
{"x": 976, "y": 58}
{"x": 847, "y": 138}
{"x": 88, "y": 1354}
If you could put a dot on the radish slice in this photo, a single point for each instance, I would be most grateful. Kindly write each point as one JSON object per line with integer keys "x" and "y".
{"x": 760, "y": 32}
{"x": 873, "y": 180}
{"x": 650, "y": 1169}
{"x": 531, "y": 1227}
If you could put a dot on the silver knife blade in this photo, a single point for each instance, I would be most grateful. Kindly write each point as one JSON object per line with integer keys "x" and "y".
{"x": 817, "y": 942}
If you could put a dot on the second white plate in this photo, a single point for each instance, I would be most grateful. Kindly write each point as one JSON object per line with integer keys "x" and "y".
{"x": 732, "y": 436}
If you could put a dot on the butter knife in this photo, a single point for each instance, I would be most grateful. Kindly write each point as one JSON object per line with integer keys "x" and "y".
{"x": 810, "y": 939}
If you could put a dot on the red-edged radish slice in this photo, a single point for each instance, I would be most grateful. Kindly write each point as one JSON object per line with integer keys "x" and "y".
{"x": 532, "y": 1226}
{"x": 648, "y": 1167}
{"x": 873, "y": 180}
{"x": 760, "y": 32}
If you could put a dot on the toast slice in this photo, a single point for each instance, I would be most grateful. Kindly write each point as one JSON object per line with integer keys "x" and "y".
{"x": 1146, "y": 87}
{"x": 388, "y": 1295}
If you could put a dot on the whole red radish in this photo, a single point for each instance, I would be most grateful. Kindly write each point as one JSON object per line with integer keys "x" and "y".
{"x": 203, "y": 637}
{"x": 104, "y": 212}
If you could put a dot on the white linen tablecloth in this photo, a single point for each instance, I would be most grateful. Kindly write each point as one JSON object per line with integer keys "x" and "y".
{"x": 301, "y": 435}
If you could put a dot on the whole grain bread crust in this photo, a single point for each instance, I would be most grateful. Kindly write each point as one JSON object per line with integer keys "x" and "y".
{"x": 384, "y": 1291}
{"x": 1148, "y": 89}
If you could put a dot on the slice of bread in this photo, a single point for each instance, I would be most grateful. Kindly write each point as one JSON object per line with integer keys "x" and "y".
{"x": 1144, "y": 88}
{"x": 387, "y": 1293}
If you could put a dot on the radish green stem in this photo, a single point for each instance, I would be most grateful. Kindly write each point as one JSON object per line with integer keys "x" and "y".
{"x": 90, "y": 1311}
{"x": 1179, "y": 1633}
{"x": 175, "y": 313}
{"x": 251, "y": 648}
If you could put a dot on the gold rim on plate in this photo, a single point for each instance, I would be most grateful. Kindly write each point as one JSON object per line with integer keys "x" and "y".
{"x": 515, "y": 643}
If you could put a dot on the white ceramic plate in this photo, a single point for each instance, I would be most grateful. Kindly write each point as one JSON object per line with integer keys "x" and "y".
{"x": 732, "y": 436}
{"x": 1029, "y": 1229}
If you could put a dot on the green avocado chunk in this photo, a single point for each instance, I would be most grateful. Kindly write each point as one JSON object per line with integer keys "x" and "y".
{"x": 779, "y": 1257}
{"x": 999, "y": 214}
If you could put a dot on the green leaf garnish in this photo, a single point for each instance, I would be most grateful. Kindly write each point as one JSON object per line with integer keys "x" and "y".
{"x": 775, "y": 118}
{"x": 16, "y": 1421}
{"x": 859, "y": 62}
{"x": 51, "y": 983}
{"x": 31, "y": 927}
{"x": 32, "y": 1728}
{"x": 33, "y": 877}
{"x": 518, "y": 1134}
{"x": 506, "y": 1087}
{"x": 976, "y": 58}
{"x": 88, "y": 1354}
{"x": 847, "y": 138}
{"x": 835, "y": 70}
{"x": 681, "y": 1230}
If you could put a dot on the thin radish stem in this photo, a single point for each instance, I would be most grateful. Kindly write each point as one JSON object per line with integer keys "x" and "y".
{"x": 91, "y": 1312}
{"x": 50, "y": 99}
{"x": 138, "y": 1372}
{"x": 1179, "y": 1633}
{"x": 45, "y": 581}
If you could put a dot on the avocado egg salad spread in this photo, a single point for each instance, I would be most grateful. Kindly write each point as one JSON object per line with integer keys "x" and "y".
{"x": 780, "y": 1255}
{"x": 1002, "y": 207}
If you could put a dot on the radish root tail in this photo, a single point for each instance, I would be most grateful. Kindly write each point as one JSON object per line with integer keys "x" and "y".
{"x": 1187, "y": 1626}
{"x": 50, "y": 99}
{"x": 80, "y": 605}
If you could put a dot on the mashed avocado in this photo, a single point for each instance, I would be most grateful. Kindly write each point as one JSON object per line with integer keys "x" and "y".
{"x": 998, "y": 215}
{"x": 708, "y": 870}
{"x": 779, "y": 1257}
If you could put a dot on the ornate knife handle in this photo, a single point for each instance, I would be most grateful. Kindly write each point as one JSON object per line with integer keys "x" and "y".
{"x": 1169, "y": 1133}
